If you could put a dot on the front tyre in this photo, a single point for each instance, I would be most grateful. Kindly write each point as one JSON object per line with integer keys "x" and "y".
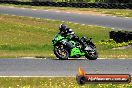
{"x": 61, "y": 53}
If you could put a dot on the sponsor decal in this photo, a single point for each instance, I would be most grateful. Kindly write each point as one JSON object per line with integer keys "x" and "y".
{"x": 83, "y": 78}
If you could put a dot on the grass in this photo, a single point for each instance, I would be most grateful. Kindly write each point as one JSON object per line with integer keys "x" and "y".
{"x": 54, "y": 82}
{"x": 24, "y": 36}
{"x": 113, "y": 12}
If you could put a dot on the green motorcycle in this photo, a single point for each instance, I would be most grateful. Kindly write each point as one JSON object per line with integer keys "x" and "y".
{"x": 65, "y": 48}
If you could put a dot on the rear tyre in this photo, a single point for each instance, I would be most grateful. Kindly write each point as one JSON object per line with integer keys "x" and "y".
{"x": 91, "y": 55}
{"x": 61, "y": 53}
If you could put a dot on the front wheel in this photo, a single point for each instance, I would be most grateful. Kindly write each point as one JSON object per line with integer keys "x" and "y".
{"x": 91, "y": 55}
{"x": 61, "y": 53}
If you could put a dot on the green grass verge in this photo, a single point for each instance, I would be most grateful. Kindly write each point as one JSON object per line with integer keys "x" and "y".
{"x": 54, "y": 82}
{"x": 113, "y": 12}
{"x": 23, "y": 36}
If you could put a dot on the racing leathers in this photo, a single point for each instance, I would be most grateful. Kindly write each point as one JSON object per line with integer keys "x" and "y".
{"x": 70, "y": 36}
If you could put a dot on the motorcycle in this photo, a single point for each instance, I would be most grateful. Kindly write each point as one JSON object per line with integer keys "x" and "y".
{"x": 65, "y": 48}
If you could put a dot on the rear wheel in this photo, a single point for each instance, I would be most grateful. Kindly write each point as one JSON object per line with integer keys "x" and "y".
{"x": 91, "y": 54}
{"x": 61, "y": 53}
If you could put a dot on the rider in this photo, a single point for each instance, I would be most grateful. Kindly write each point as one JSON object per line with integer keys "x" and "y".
{"x": 64, "y": 31}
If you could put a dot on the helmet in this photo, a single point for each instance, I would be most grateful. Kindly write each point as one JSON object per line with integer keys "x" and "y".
{"x": 62, "y": 27}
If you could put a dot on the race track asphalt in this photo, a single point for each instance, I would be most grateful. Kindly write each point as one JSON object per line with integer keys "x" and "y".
{"x": 106, "y": 21}
{"x": 50, "y": 67}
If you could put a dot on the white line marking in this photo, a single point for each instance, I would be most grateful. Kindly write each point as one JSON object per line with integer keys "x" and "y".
{"x": 82, "y": 24}
{"x": 113, "y": 16}
{"x": 120, "y": 29}
{"x": 113, "y": 58}
{"x": 35, "y": 76}
{"x": 53, "y": 20}
{"x": 68, "y": 12}
{"x": 90, "y": 25}
{"x": 31, "y": 17}
{"x": 34, "y": 9}
{"x": 103, "y": 27}
{"x": 22, "y": 8}
{"x": 46, "y": 10}
{"x": 76, "y": 23}
{"x": 121, "y": 58}
{"x": 79, "y": 13}
{"x": 12, "y": 15}
{"x": 30, "y": 58}
{"x": 38, "y": 18}
{"x": 35, "y": 58}
{"x": 57, "y": 11}
{"x": 11, "y": 7}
